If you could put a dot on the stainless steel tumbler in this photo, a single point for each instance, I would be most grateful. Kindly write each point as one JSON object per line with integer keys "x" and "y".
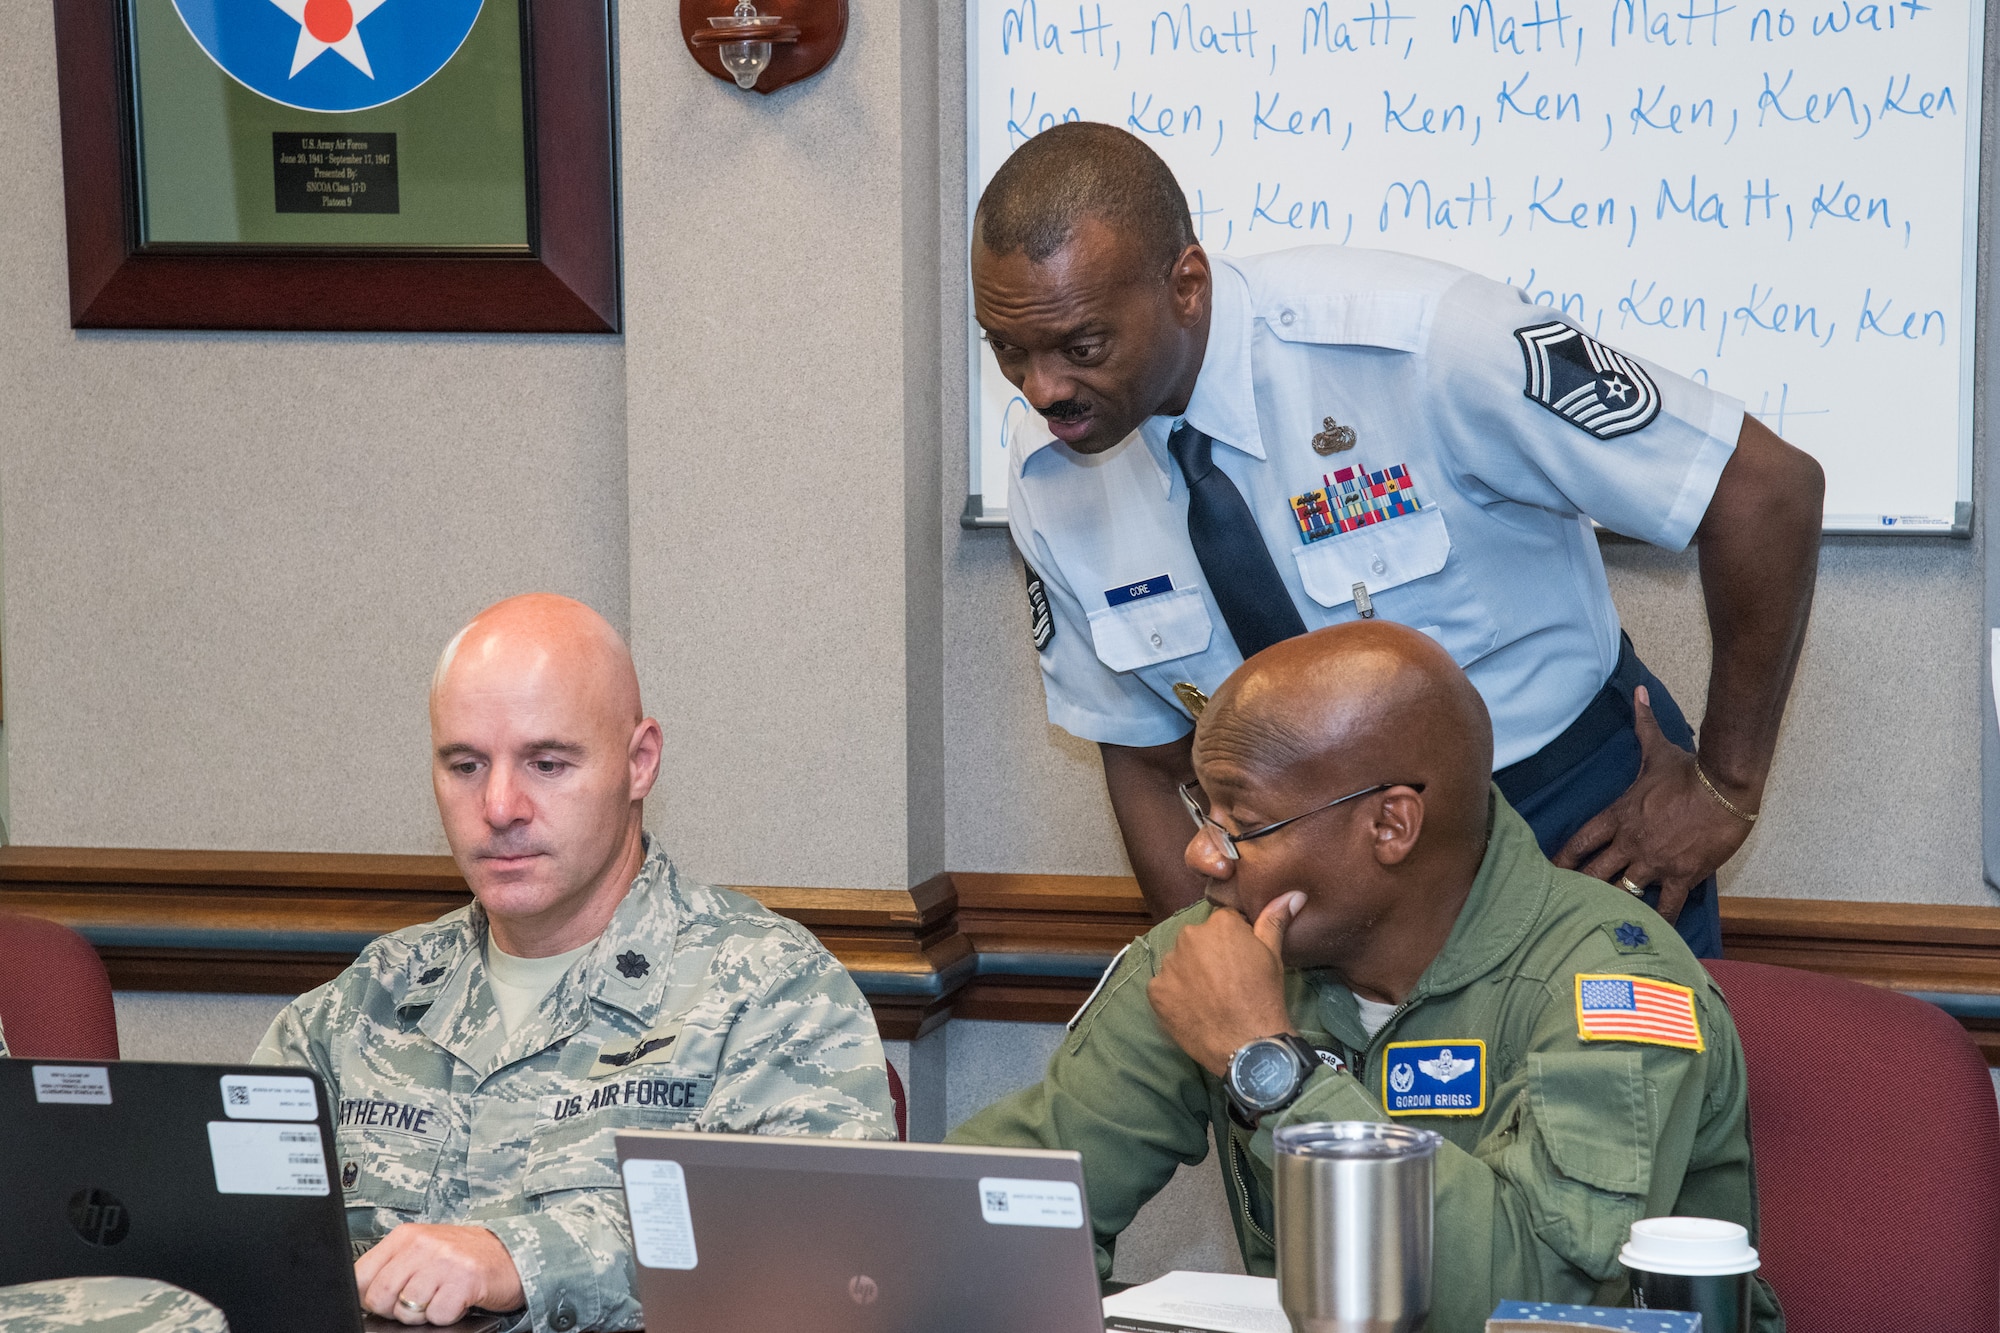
{"x": 1354, "y": 1226}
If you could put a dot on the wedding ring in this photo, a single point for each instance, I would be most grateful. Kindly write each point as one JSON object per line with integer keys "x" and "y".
{"x": 411, "y": 1305}
{"x": 1626, "y": 884}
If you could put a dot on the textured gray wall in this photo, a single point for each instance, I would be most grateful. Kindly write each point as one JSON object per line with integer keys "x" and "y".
{"x": 785, "y": 563}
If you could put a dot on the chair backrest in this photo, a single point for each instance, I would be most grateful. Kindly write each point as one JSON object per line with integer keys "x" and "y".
{"x": 55, "y": 996}
{"x": 1877, "y": 1141}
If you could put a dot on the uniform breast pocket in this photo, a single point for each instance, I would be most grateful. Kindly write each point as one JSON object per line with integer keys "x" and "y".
{"x": 1407, "y": 568}
{"x": 392, "y": 1171}
{"x": 1151, "y": 630}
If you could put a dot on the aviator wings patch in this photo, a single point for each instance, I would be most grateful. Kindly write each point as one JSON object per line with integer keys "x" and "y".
{"x": 1587, "y": 384}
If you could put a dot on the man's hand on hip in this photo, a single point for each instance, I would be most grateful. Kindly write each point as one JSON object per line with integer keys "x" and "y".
{"x": 1666, "y": 829}
{"x": 1223, "y": 983}
{"x": 441, "y": 1271}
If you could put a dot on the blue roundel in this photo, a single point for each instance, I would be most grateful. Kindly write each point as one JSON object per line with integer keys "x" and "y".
{"x": 330, "y": 55}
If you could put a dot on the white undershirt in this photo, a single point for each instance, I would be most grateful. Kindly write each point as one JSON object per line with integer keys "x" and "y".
{"x": 520, "y": 985}
{"x": 1374, "y": 1015}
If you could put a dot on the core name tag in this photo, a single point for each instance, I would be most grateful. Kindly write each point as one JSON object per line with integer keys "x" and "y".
{"x": 1009, "y": 1202}
{"x": 1132, "y": 592}
{"x": 1434, "y": 1077}
{"x": 260, "y": 1157}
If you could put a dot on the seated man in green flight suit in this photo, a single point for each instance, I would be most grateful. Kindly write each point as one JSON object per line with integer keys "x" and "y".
{"x": 1382, "y": 939}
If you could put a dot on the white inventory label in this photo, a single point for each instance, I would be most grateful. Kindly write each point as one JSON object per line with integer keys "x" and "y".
{"x": 268, "y": 1097}
{"x": 662, "y": 1229}
{"x": 256, "y": 1157}
{"x": 73, "y": 1085}
{"x": 1006, "y": 1202}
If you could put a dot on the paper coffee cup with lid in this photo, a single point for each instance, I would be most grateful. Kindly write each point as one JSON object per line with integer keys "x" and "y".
{"x": 1701, "y": 1264}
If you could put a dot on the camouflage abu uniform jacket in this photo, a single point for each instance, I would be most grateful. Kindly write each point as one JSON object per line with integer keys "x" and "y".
{"x": 106, "y": 1305}
{"x": 697, "y": 1009}
{"x": 1559, "y": 1133}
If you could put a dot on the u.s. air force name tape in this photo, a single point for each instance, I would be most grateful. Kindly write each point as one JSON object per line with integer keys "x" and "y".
{"x": 665, "y": 1094}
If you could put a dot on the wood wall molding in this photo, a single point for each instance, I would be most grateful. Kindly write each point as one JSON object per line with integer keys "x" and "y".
{"x": 1023, "y": 948}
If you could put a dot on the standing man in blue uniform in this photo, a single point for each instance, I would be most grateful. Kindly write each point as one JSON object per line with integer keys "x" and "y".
{"x": 1231, "y": 452}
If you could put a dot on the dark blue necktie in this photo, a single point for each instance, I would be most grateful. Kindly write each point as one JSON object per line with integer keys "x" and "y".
{"x": 1241, "y": 577}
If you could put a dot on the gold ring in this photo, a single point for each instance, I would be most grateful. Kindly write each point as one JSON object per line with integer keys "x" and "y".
{"x": 411, "y": 1305}
{"x": 1625, "y": 883}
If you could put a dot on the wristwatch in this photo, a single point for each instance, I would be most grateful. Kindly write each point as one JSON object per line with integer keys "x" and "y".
{"x": 1266, "y": 1075}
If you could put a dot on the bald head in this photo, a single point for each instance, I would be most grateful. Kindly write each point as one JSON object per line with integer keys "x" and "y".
{"x": 542, "y": 758}
{"x": 540, "y": 635}
{"x": 1079, "y": 170}
{"x": 1359, "y": 703}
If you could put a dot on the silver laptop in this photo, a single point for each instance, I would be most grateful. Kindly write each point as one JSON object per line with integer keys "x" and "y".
{"x": 741, "y": 1233}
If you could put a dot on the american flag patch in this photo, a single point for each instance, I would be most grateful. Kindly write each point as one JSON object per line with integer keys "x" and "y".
{"x": 1619, "y": 1008}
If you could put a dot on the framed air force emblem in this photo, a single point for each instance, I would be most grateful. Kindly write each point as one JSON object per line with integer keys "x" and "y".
{"x": 1589, "y": 385}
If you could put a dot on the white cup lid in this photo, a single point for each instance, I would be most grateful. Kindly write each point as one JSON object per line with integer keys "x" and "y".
{"x": 1689, "y": 1247}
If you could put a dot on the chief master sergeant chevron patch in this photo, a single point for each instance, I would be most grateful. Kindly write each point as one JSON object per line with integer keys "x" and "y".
{"x": 1586, "y": 383}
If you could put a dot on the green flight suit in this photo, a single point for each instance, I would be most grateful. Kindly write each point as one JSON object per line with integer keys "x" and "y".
{"x": 1536, "y": 1191}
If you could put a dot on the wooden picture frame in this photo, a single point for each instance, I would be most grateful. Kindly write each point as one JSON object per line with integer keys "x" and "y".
{"x": 566, "y": 281}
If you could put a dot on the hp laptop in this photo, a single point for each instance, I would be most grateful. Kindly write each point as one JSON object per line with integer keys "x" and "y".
{"x": 216, "y": 1178}
{"x": 746, "y": 1234}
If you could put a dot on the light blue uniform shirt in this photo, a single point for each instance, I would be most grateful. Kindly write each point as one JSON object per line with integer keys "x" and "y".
{"x": 1420, "y": 359}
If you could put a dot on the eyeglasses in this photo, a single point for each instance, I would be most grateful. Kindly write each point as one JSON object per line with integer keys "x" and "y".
{"x": 1196, "y": 801}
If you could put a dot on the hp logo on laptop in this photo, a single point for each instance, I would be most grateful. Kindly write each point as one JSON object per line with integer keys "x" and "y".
{"x": 99, "y": 1217}
{"x": 861, "y": 1289}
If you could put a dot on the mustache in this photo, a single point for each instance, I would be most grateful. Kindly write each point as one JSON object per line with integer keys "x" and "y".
{"x": 1069, "y": 409}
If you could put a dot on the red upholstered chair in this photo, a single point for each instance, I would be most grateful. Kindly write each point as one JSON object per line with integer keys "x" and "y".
{"x": 1878, "y": 1155}
{"x": 902, "y": 1102}
{"x": 55, "y": 996}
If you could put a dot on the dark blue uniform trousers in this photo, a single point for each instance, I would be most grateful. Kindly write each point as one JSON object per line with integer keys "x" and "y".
{"x": 1581, "y": 772}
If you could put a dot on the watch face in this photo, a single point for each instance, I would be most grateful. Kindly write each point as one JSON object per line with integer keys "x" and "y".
{"x": 1264, "y": 1073}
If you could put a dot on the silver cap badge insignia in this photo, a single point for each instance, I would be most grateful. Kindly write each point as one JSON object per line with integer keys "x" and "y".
{"x": 1334, "y": 438}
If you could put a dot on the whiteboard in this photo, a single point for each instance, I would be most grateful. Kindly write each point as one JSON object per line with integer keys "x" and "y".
{"x": 1777, "y": 200}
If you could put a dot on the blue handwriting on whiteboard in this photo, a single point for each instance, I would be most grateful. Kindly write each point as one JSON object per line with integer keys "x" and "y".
{"x": 1239, "y": 38}
{"x": 1317, "y": 28}
{"x": 1670, "y": 312}
{"x": 1881, "y": 321}
{"x": 1027, "y": 124}
{"x": 1814, "y": 108}
{"x": 1837, "y": 203}
{"x": 1427, "y": 120}
{"x": 1021, "y": 25}
{"x": 1697, "y": 207}
{"x": 1543, "y": 107}
{"x": 1293, "y": 122}
{"x": 1765, "y": 314}
{"x": 1668, "y": 26}
{"x": 1437, "y": 212}
{"x": 1316, "y": 215}
{"x": 1649, "y": 114}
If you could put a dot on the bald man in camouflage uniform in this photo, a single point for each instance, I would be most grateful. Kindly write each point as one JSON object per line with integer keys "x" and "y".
{"x": 106, "y": 1305}
{"x": 477, "y": 1155}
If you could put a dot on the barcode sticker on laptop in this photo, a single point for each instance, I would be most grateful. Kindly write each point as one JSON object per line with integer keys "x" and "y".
{"x": 258, "y": 1157}
{"x": 662, "y": 1229}
{"x": 1030, "y": 1203}
{"x": 268, "y": 1097}
{"x": 73, "y": 1085}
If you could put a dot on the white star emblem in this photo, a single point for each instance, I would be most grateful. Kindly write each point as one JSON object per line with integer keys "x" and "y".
{"x": 1615, "y": 388}
{"x": 329, "y": 25}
